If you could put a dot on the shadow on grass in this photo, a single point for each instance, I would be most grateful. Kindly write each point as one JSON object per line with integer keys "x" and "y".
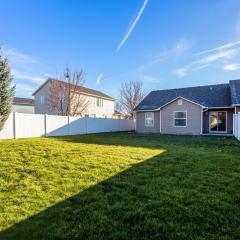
{"x": 164, "y": 197}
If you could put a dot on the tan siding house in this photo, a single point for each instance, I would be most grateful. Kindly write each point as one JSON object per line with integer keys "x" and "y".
{"x": 98, "y": 104}
{"x": 194, "y": 110}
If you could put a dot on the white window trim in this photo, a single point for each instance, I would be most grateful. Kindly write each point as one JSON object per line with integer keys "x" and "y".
{"x": 99, "y": 102}
{"x": 209, "y": 122}
{"x": 145, "y": 119}
{"x": 179, "y": 118}
{"x": 42, "y": 99}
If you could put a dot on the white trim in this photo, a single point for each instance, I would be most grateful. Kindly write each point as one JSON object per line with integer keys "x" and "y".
{"x": 154, "y": 110}
{"x": 160, "y": 120}
{"x": 218, "y": 107}
{"x": 145, "y": 120}
{"x": 236, "y": 105}
{"x": 179, "y": 118}
{"x": 226, "y": 124}
{"x": 183, "y": 99}
{"x": 201, "y": 131}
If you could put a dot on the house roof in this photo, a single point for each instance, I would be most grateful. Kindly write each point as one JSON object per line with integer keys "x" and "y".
{"x": 207, "y": 96}
{"x": 23, "y": 101}
{"x": 84, "y": 90}
{"x": 235, "y": 91}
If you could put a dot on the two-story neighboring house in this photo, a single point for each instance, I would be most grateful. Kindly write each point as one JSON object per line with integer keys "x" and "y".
{"x": 98, "y": 104}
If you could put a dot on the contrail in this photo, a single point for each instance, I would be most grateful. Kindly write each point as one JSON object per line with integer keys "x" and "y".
{"x": 219, "y": 48}
{"x": 133, "y": 24}
{"x": 99, "y": 78}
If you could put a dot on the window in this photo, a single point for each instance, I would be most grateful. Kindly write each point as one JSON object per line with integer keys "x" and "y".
{"x": 149, "y": 119}
{"x": 180, "y": 119}
{"x": 42, "y": 99}
{"x": 99, "y": 102}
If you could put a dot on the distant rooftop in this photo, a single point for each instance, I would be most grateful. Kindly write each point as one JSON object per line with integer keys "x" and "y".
{"x": 81, "y": 89}
{"x": 23, "y": 101}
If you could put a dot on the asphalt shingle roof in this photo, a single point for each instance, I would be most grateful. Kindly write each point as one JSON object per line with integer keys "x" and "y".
{"x": 23, "y": 101}
{"x": 235, "y": 91}
{"x": 81, "y": 89}
{"x": 208, "y": 96}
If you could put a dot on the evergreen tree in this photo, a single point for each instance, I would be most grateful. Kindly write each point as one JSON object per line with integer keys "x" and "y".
{"x": 6, "y": 90}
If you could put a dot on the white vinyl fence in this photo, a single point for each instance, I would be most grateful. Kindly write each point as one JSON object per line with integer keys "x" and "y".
{"x": 236, "y": 125}
{"x": 24, "y": 125}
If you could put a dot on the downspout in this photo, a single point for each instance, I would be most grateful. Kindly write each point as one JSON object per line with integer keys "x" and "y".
{"x": 160, "y": 121}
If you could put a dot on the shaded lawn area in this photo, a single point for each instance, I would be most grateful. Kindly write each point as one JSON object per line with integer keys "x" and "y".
{"x": 120, "y": 186}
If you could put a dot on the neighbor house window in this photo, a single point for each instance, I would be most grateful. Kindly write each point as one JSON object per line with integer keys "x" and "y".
{"x": 99, "y": 102}
{"x": 180, "y": 119}
{"x": 42, "y": 99}
{"x": 149, "y": 119}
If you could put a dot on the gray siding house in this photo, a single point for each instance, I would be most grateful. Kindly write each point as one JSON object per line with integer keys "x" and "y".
{"x": 193, "y": 110}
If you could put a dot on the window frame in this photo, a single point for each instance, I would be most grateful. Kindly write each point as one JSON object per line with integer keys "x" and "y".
{"x": 42, "y": 99}
{"x": 174, "y": 118}
{"x": 145, "y": 119}
{"x": 99, "y": 102}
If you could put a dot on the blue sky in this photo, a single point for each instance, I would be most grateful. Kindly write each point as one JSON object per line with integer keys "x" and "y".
{"x": 167, "y": 44}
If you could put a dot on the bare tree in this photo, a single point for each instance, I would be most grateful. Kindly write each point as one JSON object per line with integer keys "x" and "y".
{"x": 131, "y": 94}
{"x": 64, "y": 96}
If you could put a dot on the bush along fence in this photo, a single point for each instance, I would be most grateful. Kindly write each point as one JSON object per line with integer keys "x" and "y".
{"x": 236, "y": 126}
{"x": 23, "y": 125}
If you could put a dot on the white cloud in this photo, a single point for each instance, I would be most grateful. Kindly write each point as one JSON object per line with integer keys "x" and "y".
{"x": 180, "y": 47}
{"x": 24, "y": 90}
{"x": 17, "y": 57}
{"x": 216, "y": 56}
{"x": 228, "y": 45}
{"x": 231, "y": 67}
{"x": 150, "y": 79}
{"x": 133, "y": 25}
{"x": 99, "y": 78}
{"x": 205, "y": 61}
{"x": 181, "y": 72}
{"x": 23, "y": 75}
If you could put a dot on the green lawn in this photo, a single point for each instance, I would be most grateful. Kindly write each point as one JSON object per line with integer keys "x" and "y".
{"x": 120, "y": 186}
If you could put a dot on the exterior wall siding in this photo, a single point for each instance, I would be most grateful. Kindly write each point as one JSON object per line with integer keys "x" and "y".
{"x": 43, "y": 108}
{"x": 193, "y": 118}
{"x": 105, "y": 111}
{"x": 230, "y": 113}
{"x": 140, "y": 123}
{"x": 23, "y": 108}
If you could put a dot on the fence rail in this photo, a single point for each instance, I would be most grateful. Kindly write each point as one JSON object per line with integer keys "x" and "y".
{"x": 24, "y": 125}
{"x": 236, "y": 125}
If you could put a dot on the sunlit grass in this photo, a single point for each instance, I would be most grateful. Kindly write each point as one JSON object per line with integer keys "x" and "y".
{"x": 120, "y": 186}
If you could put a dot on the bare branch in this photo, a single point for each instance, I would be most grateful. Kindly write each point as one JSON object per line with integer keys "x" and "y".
{"x": 131, "y": 94}
{"x": 64, "y": 97}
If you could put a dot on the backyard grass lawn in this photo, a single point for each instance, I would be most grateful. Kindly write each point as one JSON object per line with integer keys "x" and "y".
{"x": 120, "y": 186}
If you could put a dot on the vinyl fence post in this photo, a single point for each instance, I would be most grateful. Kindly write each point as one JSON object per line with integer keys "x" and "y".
{"x": 68, "y": 125}
{"x": 14, "y": 125}
{"x": 238, "y": 126}
{"x": 45, "y": 125}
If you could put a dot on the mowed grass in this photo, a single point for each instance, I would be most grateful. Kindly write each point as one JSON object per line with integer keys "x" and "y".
{"x": 120, "y": 186}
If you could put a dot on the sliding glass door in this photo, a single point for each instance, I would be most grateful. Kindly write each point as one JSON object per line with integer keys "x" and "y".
{"x": 218, "y": 121}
